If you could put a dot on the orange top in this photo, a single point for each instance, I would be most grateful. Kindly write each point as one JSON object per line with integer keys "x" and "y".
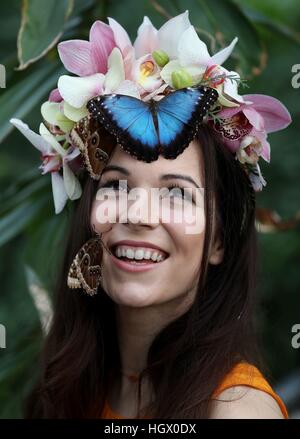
{"x": 243, "y": 374}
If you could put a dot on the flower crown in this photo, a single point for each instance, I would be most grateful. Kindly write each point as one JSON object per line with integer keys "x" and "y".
{"x": 159, "y": 62}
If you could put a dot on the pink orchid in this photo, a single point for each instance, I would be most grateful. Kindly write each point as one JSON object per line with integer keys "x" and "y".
{"x": 85, "y": 58}
{"x": 263, "y": 115}
{"x": 77, "y": 91}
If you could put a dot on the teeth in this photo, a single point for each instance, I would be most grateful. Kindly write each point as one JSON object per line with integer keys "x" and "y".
{"x": 154, "y": 256}
{"x": 139, "y": 253}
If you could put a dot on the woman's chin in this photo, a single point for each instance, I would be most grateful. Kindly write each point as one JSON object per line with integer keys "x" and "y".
{"x": 132, "y": 297}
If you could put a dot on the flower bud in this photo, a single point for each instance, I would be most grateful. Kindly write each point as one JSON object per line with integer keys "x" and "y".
{"x": 160, "y": 57}
{"x": 181, "y": 78}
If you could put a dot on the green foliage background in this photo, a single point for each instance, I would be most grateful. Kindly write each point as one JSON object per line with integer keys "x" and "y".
{"x": 32, "y": 237}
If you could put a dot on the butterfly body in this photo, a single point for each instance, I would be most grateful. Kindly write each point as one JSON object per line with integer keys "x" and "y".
{"x": 148, "y": 129}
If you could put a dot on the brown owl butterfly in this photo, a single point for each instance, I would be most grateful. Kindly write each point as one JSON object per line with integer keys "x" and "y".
{"x": 95, "y": 144}
{"x": 85, "y": 270}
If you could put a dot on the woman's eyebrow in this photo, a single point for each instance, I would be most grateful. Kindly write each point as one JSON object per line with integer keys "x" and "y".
{"x": 115, "y": 168}
{"x": 162, "y": 177}
{"x": 179, "y": 177}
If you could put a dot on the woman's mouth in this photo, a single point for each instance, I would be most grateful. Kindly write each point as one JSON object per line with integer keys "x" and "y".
{"x": 136, "y": 259}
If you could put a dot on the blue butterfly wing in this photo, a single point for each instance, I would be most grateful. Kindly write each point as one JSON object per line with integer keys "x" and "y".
{"x": 130, "y": 120}
{"x": 179, "y": 115}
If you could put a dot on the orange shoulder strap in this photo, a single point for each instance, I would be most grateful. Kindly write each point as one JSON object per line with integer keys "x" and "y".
{"x": 245, "y": 374}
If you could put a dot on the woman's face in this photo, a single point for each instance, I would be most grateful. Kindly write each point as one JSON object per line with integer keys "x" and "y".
{"x": 181, "y": 237}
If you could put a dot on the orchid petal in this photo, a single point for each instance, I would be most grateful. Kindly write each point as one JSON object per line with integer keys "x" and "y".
{"x": 226, "y": 102}
{"x": 116, "y": 73}
{"x": 59, "y": 193}
{"x": 128, "y": 88}
{"x": 129, "y": 59}
{"x": 155, "y": 93}
{"x": 45, "y": 133}
{"x": 192, "y": 50}
{"x": 223, "y": 54}
{"x": 170, "y": 33}
{"x": 63, "y": 123}
{"x": 123, "y": 42}
{"x": 55, "y": 96}
{"x": 39, "y": 142}
{"x": 230, "y": 112}
{"x": 78, "y": 57}
{"x": 150, "y": 85}
{"x": 74, "y": 152}
{"x": 196, "y": 72}
{"x": 49, "y": 111}
{"x": 266, "y": 149}
{"x": 103, "y": 42}
{"x": 146, "y": 41}
{"x": 121, "y": 36}
{"x": 51, "y": 164}
{"x": 276, "y": 116}
{"x": 231, "y": 86}
{"x": 72, "y": 184}
{"x": 77, "y": 91}
{"x": 254, "y": 118}
{"x": 74, "y": 114}
{"x": 257, "y": 180}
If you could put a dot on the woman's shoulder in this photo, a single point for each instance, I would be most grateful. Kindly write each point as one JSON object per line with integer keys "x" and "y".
{"x": 245, "y": 393}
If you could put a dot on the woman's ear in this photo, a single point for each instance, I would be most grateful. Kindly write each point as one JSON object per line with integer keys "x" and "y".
{"x": 216, "y": 253}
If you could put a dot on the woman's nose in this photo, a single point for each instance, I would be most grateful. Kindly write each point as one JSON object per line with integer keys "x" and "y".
{"x": 142, "y": 208}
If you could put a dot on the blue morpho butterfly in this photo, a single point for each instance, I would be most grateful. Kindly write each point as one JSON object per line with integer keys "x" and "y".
{"x": 147, "y": 129}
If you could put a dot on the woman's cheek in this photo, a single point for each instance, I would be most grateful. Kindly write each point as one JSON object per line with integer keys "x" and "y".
{"x": 188, "y": 216}
{"x": 103, "y": 215}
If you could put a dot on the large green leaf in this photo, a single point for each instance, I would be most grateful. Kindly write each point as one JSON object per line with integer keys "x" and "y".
{"x": 15, "y": 196}
{"x": 41, "y": 27}
{"x": 20, "y": 217}
{"x": 9, "y": 25}
{"x": 20, "y": 98}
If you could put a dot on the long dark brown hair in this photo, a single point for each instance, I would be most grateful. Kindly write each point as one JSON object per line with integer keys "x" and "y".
{"x": 189, "y": 358}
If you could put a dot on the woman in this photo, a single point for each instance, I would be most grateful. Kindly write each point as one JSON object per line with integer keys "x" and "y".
{"x": 171, "y": 337}
{"x": 185, "y": 323}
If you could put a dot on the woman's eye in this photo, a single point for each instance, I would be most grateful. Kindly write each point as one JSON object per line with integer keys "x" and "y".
{"x": 112, "y": 184}
{"x": 177, "y": 191}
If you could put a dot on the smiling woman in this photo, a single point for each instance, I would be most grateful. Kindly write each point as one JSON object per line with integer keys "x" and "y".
{"x": 155, "y": 303}
{"x": 165, "y": 340}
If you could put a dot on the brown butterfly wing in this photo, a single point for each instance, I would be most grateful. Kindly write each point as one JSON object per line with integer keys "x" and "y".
{"x": 95, "y": 143}
{"x": 85, "y": 270}
{"x": 88, "y": 265}
{"x": 73, "y": 281}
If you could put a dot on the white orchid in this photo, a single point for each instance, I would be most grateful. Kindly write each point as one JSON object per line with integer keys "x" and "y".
{"x": 189, "y": 60}
{"x": 54, "y": 157}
